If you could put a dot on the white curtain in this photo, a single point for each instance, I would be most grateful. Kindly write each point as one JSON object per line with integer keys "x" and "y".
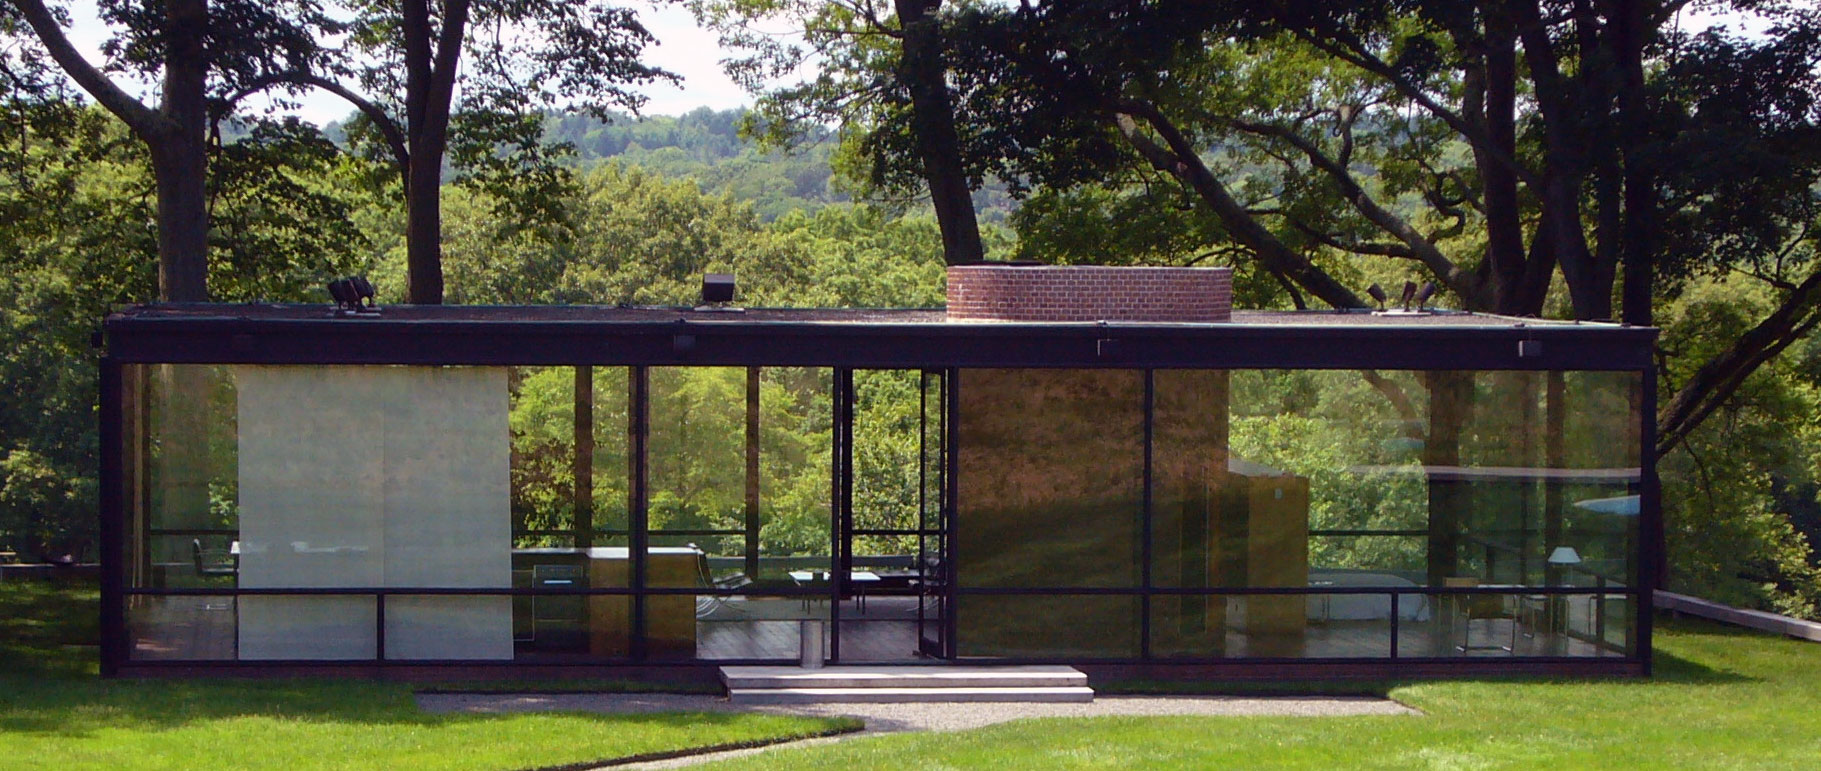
{"x": 374, "y": 476}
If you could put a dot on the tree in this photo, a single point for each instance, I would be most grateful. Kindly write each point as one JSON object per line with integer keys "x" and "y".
{"x": 1495, "y": 144}
{"x": 78, "y": 238}
{"x": 199, "y": 51}
{"x": 876, "y": 62}
{"x": 400, "y": 66}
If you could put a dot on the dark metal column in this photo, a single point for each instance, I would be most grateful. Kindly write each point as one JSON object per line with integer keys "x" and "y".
{"x": 1653, "y": 549}
{"x": 584, "y": 457}
{"x": 1144, "y": 549}
{"x": 112, "y": 524}
{"x": 840, "y": 520}
{"x": 638, "y": 435}
{"x": 752, "y": 473}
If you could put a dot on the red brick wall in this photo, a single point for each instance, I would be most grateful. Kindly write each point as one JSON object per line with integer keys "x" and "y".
{"x": 1089, "y": 293}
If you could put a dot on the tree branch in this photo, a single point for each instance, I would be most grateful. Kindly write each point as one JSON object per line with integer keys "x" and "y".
{"x": 1181, "y": 161}
{"x": 143, "y": 120}
{"x": 1365, "y": 61}
{"x": 388, "y": 127}
{"x": 1458, "y": 280}
{"x": 1721, "y": 376}
{"x": 1399, "y": 251}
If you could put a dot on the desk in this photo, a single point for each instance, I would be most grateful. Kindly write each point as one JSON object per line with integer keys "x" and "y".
{"x": 670, "y": 619}
{"x": 858, "y": 579}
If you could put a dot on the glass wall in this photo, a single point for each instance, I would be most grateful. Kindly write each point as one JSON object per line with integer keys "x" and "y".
{"x": 1297, "y": 514}
{"x": 1050, "y": 496}
{"x": 183, "y": 521}
{"x": 741, "y": 471}
{"x": 348, "y": 513}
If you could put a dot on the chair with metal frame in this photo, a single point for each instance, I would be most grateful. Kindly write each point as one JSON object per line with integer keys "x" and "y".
{"x": 1468, "y": 608}
{"x": 220, "y": 568}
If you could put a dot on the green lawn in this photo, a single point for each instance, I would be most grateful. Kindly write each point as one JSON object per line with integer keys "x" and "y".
{"x": 1722, "y": 699}
{"x": 55, "y": 713}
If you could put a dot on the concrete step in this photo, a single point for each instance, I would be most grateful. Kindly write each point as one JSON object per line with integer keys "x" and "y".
{"x": 903, "y": 677}
{"x": 896, "y": 695}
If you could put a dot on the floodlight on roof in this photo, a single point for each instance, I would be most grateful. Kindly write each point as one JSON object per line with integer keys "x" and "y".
{"x": 353, "y": 296}
{"x": 1423, "y": 295}
{"x": 717, "y": 290}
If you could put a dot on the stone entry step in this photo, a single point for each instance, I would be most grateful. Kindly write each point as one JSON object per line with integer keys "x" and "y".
{"x": 888, "y": 684}
{"x": 1078, "y": 694}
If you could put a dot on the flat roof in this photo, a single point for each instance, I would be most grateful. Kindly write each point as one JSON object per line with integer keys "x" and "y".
{"x": 858, "y": 338}
{"x": 507, "y": 314}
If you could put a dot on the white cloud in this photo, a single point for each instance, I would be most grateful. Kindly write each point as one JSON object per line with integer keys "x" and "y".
{"x": 695, "y": 54}
{"x": 682, "y": 48}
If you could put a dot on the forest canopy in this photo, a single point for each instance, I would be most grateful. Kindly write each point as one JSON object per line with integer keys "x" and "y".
{"x": 1573, "y": 160}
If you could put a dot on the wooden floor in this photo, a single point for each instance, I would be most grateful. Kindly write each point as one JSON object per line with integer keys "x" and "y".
{"x": 182, "y": 628}
{"x": 885, "y": 631}
{"x": 203, "y": 628}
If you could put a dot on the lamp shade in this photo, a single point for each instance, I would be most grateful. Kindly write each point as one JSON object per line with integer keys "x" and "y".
{"x": 1564, "y": 555}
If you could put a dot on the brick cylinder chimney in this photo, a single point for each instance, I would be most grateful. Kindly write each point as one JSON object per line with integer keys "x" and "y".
{"x": 1038, "y": 293}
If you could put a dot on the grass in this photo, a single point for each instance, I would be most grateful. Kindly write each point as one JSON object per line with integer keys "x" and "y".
{"x": 1722, "y": 698}
{"x": 56, "y": 713}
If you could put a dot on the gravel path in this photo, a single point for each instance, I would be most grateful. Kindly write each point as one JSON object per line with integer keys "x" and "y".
{"x": 894, "y": 718}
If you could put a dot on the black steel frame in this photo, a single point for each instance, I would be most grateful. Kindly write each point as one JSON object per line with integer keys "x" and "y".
{"x": 237, "y": 338}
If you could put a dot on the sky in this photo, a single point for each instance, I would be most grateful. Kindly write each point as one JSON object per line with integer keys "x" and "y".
{"x": 682, "y": 48}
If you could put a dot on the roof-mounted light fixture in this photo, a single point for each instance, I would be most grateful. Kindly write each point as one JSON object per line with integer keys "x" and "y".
{"x": 353, "y": 296}
{"x": 1410, "y": 303}
{"x": 717, "y": 292}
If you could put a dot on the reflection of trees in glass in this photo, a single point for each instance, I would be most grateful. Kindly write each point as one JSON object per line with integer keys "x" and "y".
{"x": 885, "y": 458}
{"x": 193, "y": 447}
{"x": 1326, "y": 426}
{"x": 543, "y": 450}
{"x": 697, "y": 461}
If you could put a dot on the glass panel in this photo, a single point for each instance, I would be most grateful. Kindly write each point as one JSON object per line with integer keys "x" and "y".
{"x": 1515, "y": 623}
{"x": 796, "y": 472}
{"x": 1499, "y": 470}
{"x": 189, "y": 628}
{"x": 1051, "y": 481}
{"x": 1339, "y": 626}
{"x": 757, "y": 626}
{"x": 183, "y": 453}
{"x": 1199, "y": 517}
{"x": 935, "y": 433}
{"x": 1086, "y": 626}
{"x": 886, "y": 442}
{"x": 546, "y": 457}
{"x": 595, "y": 626}
{"x": 354, "y": 477}
{"x": 697, "y": 448}
{"x": 765, "y": 520}
{"x": 436, "y": 627}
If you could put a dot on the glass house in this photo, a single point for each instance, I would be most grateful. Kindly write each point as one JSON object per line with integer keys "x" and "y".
{"x": 1104, "y": 467}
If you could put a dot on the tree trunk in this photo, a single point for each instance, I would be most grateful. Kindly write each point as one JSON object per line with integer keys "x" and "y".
{"x": 923, "y": 72}
{"x": 424, "y": 225}
{"x": 180, "y": 165}
{"x": 1179, "y": 160}
{"x": 180, "y": 157}
{"x": 1499, "y": 184}
{"x": 1639, "y": 242}
{"x": 430, "y": 63}
{"x": 1562, "y": 233}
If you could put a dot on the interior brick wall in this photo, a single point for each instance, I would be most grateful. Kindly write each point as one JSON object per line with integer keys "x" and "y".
{"x": 1089, "y": 293}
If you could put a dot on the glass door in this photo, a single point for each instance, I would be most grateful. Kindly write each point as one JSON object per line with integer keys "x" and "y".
{"x": 890, "y": 606}
{"x": 933, "y": 598}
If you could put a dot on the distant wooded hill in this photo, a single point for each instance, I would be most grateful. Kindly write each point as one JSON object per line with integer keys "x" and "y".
{"x": 705, "y": 145}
